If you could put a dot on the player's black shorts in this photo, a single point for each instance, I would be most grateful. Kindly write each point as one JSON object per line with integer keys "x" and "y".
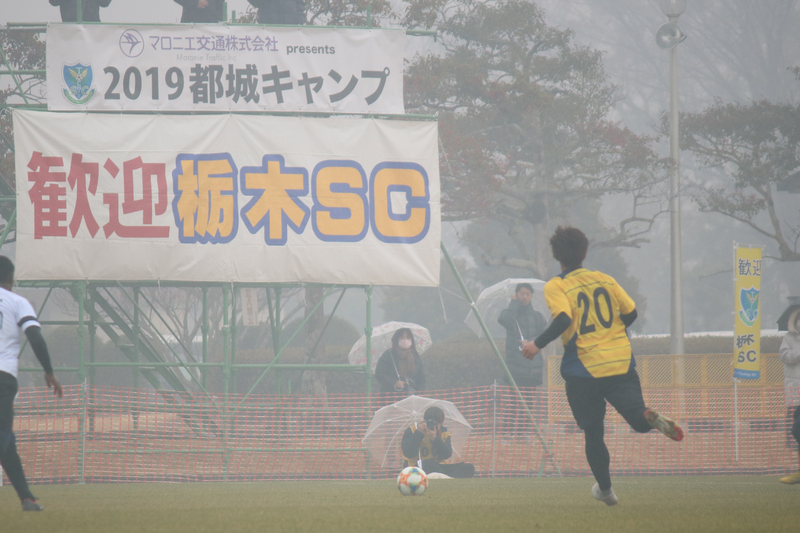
{"x": 587, "y": 398}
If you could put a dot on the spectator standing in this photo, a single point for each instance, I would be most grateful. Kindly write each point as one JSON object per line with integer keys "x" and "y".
{"x": 790, "y": 356}
{"x": 90, "y": 9}
{"x": 280, "y": 11}
{"x": 523, "y": 324}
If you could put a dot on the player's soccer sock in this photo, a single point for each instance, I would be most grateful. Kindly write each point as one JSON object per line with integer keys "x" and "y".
{"x": 598, "y": 457}
{"x": 11, "y": 463}
{"x": 638, "y": 422}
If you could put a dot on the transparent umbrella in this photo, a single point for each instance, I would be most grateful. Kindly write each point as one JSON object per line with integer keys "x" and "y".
{"x": 382, "y": 341}
{"x": 494, "y": 299}
{"x": 385, "y": 432}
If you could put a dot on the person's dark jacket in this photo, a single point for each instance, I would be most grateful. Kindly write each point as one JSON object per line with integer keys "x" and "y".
{"x": 526, "y": 372}
{"x": 210, "y": 14}
{"x": 387, "y": 376}
{"x": 280, "y": 11}
{"x": 441, "y": 446}
{"x": 90, "y": 10}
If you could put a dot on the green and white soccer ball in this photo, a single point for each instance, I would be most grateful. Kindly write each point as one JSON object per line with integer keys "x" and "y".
{"x": 412, "y": 481}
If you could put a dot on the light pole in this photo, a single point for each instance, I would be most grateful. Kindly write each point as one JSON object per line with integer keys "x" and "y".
{"x": 667, "y": 37}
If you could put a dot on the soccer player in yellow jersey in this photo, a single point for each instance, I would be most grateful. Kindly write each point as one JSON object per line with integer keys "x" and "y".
{"x": 591, "y": 313}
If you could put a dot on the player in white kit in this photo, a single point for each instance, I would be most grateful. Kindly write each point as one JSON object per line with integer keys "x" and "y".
{"x": 16, "y": 316}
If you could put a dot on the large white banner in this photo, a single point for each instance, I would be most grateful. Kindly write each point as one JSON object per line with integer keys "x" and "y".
{"x": 221, "y": 68}
{"x": 226, "y": 198}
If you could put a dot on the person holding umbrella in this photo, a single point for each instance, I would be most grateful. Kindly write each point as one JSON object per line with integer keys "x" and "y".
{"x": 522, "y": 324}
{"x": 399, "y": 369}
{"x": 790, "y": 356}
{"x": 280, "y": 11}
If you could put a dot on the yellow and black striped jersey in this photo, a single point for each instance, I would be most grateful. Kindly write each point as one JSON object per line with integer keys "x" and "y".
{"x": 427, "y": 449}
{"x": 596, "y": 343}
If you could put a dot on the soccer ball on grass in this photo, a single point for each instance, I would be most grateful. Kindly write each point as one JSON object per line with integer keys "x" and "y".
{"x": 412, "y": 481}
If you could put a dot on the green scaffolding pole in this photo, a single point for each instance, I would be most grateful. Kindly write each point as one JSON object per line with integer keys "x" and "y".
{"x": 233, "y": 341}
{"x": 92, "y": 371}
{"x": 368, "y": 339}
{"x": 80, "y": 288}
{"x": 136, "y": 334}
{"x": 275, "y": 326}
{"x": 368, "y": 362}
{"x": 204, "y": 328}
{"x": 7, "y": 230}
{"x": 226, "y": 373}
{"x": 286, "y": 345}
{"x": 548, "y": 455}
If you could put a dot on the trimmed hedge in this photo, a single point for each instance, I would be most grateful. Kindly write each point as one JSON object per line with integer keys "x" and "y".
{"x": 460, "y": 361}
{"x": 464, "y": 361}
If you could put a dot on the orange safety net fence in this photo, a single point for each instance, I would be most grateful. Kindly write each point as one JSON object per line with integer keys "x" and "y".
{"x": 111, "y": 434}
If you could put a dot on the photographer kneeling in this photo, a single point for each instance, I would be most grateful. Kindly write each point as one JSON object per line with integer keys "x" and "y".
{"x": 429, "y": 441}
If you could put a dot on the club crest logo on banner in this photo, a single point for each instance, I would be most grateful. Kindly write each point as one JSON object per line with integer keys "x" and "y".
{"x": 748, "y": 312}
{"x": 77, "y": 86}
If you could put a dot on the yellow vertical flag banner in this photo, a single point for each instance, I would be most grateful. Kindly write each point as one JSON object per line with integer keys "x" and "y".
{"x": 747, "y": 321}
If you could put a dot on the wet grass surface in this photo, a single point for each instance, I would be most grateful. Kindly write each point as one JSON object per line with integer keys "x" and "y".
{"x": 647, "y": 504}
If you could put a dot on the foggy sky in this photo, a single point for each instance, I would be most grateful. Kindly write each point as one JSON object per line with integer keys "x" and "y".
{"x": 707, "y": 238}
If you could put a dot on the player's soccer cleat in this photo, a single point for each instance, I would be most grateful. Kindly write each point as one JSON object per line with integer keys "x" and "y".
{"x": 608, "y": 497}
{"x": 664, "y": 424}
{"x": 792, "y": 478}
{"x": 31, "y": 505}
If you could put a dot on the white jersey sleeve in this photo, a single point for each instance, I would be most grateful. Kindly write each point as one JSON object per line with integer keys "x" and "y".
{"x": 26, "y": 315}
{"x": 16, "y": 315}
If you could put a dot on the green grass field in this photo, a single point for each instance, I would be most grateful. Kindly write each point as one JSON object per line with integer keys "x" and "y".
{"x": 652, "y": 505}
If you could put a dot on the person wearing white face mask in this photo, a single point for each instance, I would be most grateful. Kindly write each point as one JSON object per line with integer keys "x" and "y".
{"x": 399, "y": 369}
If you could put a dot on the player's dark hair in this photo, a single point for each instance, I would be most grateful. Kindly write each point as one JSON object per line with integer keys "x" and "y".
{"x": 523, "y": 286}
{"x": 6, "y": 269}
{"x": 569, "y": 246}
{"x": 434, "y": 413}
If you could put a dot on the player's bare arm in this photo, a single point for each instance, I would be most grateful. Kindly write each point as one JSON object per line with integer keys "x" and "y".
{"x": 39, "y": 346}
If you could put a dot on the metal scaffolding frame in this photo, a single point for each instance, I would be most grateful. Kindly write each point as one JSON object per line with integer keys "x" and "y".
{"x": 124, "y": 329}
